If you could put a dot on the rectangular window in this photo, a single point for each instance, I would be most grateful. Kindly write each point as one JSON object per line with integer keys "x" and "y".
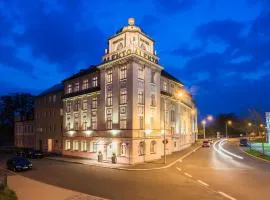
{"x": 77, "y": 87}
{"x": 94, "y": 120}
{"x": 85, "y": 125}
{"x": 153, "y": 76}
{"x": 141, "y": 122}
{"x": 123, "y": 72}
{"x": 172, "y": 115}
{"x": 123, "y": 123}
{"x": 165, "y": 87}
{"x": 84, "y": 104}
{"x": 94, "y": 102}
{"x": 54, "y": 98}
{"x": 109, "y": 99}
{"x": 123, "y": 96}
{"x": 109, "y": 122}
{"x": 76, "y": 106}
{"x": 95, "y": 81}
{"x": 94, "y": 147}
{"x": 69, "y": 88}
{"x": 172, "y": 130}
{"x": 109, "y": 75}
{"x": 85, "y": 84}
{"x": 75, "y": 145}
{"x": 76, "y": 125}
{"x": 141, "y": 72}
{"x": 67, "y": 145}
{"x": 68, "y": 106}
{"x": 84, "y": 145}
{"x": 140, "y": 97}
{"x": 153, "y": 100}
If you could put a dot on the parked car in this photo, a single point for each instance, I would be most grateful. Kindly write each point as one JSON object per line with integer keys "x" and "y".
{"x": 206, "y": 143}
{"x": 210, "y": 141}
{"x": 19, "y": 164}
{"x": 243, "y": 142}
{"x": 32, "y": 153}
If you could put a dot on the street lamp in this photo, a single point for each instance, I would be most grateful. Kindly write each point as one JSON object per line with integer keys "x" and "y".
{"x": 210, "y": 118}
{"x": 229, "y": 122}
{"x": 203, "y": 123}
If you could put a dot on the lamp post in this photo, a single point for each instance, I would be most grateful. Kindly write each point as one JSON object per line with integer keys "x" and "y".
{"x": 164, "y": 132}
{"x": 249, "y": 124}
{"x": 203, "y": 123}
{"x": 229, "y": 122}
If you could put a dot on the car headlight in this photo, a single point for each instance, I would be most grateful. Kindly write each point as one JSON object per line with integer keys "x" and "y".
{"x": 30, "y": 165}
{"x": 18, "y": 166}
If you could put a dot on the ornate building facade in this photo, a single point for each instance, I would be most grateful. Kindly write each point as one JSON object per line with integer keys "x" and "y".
{"x": 125, "y": 105}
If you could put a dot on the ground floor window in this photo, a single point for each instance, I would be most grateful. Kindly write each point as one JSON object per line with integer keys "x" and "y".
{"x": 153, "y": 146}
{"x": 93, "y": 147}
{"x": 84, "y": 145}
{"x": 123, "y": 149}
{"x": 67, "y": 145}
{"x": 141, "y": 148}
{"x": 75, "y": 145}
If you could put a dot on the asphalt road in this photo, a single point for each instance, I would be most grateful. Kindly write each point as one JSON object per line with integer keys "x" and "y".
{"x": 205, "y": 174}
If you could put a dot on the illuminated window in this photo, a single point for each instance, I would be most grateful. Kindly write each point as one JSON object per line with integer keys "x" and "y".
{"x": 153, "y": 100}
{"x": 76, "y": 105}
{"x": 77, "y": 87}
{"x": 172, "y": 115}
{"x": 95, "y": 81}
{"x": 141, "y": 122}
{"x": 69, "y": 89}
{"x": 67, "y": 145}
{"x": 123, "y": 123}
{"x": 68, "y": 106}
{"x": 141, "y": 148}
{"x": 84, "y": 104}
{"x": 84, "y": 145}
{"x": 123, "y": 149}
{"x": 76, "y": 125}
{"x": 140, "y": 97}
{"x": 93, "y": 147}
{"x": 75, "y": 145}
{"x": 94, "y": 102}
{"x": 109, "y": 99}
{"x": 153, "y": 145}
{"x": 94, "y": 120}
{"x": 165, "y": 87}
{"x": 172, "y": 130}
{"x": 109, "y": 75}
{"x": 153, "y": 76}
{"x": 123, "y": 72}
{"x": 85, "y": 84}
{"x": 109, "y": 122}
{"x": 123, "y": 96}
{"x": 85, "y": 125}
{"x": 119, "y": 46}
{"x": 141, "y": 72}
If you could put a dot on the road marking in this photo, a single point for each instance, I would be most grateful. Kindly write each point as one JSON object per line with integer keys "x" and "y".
{"x": 203, "y": 183}
{"x": 226, "y": 195}
{"x": 188, "y": 175}
{"x": 179, "y": 169}
{"x": 226, "y": 151}
{"x": 220, "y": 152}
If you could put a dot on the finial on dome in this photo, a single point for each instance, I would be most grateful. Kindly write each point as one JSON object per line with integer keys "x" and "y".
{"x": 131, "y": 21}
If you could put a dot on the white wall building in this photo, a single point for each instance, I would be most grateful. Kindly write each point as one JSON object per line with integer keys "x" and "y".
{"x": 126, "y": 104}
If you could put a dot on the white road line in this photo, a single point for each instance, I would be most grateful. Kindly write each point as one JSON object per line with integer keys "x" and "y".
{"x": 220, "y": 152}
{"x": 226, "y": 195}
{"x": 179, "y": 169}
{"x": 203, "y": 183}
{"x": 188, "y": 175}
{"x": 226, "y": 151}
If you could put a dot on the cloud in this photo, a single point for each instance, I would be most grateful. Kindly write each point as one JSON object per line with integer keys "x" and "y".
{"x": 186, "y": 51}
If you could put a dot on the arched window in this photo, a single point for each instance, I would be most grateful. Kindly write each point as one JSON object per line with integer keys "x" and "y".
{"x": 123, "y": 149}
{"x": 141, "y": 148}
{"x": 153, "y": 146}
{"x": 119, "y": 46}
{"x": 143, "y": 46}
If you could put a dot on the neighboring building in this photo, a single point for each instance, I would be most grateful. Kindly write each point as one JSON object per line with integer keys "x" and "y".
{"x": 267, "y": 114}
{"x": 49, "y": 119}
{"x": 24, "y": 131}
{"x": 126, "y": 104}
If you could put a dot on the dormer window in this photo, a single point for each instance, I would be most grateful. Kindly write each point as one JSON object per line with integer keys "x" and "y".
{"x": 85, "y": 84}
{"x": 143, "y": 46}
{"x": 76, "y": 87}
{"x": 69, "y": 88}
{"x": 119, "y": 46}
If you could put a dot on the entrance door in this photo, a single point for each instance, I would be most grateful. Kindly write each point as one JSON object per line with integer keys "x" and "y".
{"x": 50, "y": 145}
{"x": 109, "y": 151}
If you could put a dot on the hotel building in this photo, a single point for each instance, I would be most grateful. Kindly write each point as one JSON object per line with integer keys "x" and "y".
{"x": 125, "y": 105}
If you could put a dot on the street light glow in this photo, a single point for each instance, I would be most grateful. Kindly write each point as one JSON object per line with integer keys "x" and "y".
{"x": 210, "y": 118}
{"x": 249, "y": 124}
{"x": 229, "y": 122}
{"x": 203, "y": 122}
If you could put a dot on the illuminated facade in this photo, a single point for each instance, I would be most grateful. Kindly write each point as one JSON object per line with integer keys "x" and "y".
{"x": 126, "y": 104}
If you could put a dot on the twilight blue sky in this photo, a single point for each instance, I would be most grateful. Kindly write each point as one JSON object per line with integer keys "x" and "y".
{"x": 219, "y": 49}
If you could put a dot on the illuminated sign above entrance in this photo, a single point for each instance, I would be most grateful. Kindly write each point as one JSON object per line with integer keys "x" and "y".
{"x": 127, "y": 52}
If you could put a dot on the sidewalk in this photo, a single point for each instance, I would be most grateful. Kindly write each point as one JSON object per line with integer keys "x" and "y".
{"x": 28, "y": 189}
{"x": 151, "y": 165}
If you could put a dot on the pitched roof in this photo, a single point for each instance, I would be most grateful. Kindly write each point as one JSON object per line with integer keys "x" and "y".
{"x": 55, "y": 88}
{"x": 169, "y": 76}
{"x": 82, "y": 72}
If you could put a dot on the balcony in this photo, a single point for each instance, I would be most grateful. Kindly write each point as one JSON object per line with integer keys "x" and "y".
{"x": 81, "y": 92}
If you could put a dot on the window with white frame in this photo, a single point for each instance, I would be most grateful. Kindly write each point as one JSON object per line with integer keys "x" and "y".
{"x": 93, "y": 147}
{"x": 85, "y": 84}
{"x": 67, "y": 145}
{"x": 109, "y": 122}
{"x": 123, "y": 96}
{"x": 109, "y": 99}
{"x": 153, "y": 145}
{"x": 123, "y": 72}
{"x": 76, "y": 125}
{"x": 140, "y": 97}
{"x": 109, "y": 75}
{"x": 69, "y": 88}
{"x": 123, "y": 123}
{"x": 84, "y": 125}
{"x": 141, "y": 148}
{"x": 94, "y": 120}
{"x": 94, "y": 102}
{"x": 84, "y": 104}
{"x": 123, "y": 149}
{"x": 76, "y": 105}
{"x": 77, "y": 87}
{"x": 75, "y": 145}
{"x": 68, "y": 123}
{"x": 165, "y": 86}
{"x": 141, "y": 72}
{"x": 84, "y": 145}
{"x": 95, "y": 81}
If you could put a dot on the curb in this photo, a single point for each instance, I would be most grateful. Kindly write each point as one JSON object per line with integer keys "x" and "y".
{"x": 128, "y": 169}
{"x": 267, "y": 161}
